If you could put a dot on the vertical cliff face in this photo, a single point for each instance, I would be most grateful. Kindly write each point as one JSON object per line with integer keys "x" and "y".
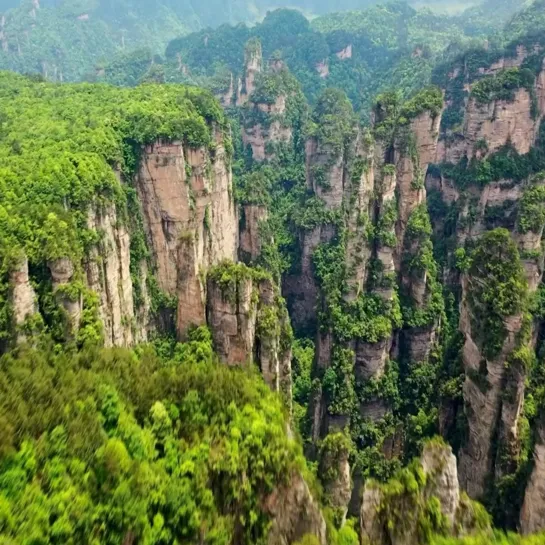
{"x": 492, "y": 249}
{"x": 249, "y": 323}
{"x": 22, "y": 297}
{"x": 108, "y": 274}
{"x": 496, "y": 122}
{"x": 295, "y": 514}
{"x": 335, "y": 472}
{"x": 420, "y": 292}
{"x": 253, "y": 63}
{"x": 532, "y": 518}
{"x": 368, "y": 244}
{"x": 485, "y": 367}
{"x": 270, "y": 97}
{"x": 252, "y": 218}
{"x": 190, "y": 220}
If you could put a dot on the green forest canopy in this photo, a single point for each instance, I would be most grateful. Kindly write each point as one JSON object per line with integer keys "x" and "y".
{"x": 119, "y": 446}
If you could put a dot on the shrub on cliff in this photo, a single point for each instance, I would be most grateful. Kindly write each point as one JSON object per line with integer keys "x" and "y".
{"x": 497, "y": 289}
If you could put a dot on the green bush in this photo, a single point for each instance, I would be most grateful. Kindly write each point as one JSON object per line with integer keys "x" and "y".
{"x": 503, "y": 85}
{"x": 497, "y": 289}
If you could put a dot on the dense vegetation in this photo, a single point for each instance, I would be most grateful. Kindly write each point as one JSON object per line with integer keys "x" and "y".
{"x": 61, "y": 144}
{"x": 144, "y": 446}
{"x": 160, "y": 443}
{"x": 497, "y": 539}
{"x": 389, "y": 45}
{"x": 123, "y": 42}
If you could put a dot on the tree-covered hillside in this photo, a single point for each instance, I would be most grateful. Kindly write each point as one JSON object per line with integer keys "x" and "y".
{"x": 277, "y": 283}
{"x": 64, "y": 40}
{"x": 135, "y": 447}
{"x": 387, "y": 46}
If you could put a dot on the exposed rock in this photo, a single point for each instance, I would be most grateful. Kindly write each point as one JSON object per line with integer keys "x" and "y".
{"x": 108, "y": 274}
{"x": 358, "y": 250}
{"x": 540, "y": 90}
{"x": 190, "y": 219}
{"x": 371, "y": 359}
{"x": 191, "y": 291}
{"x": 323, "y": 69}
{"x": 420, "y": 341}
{"x": 335, "y": 472}
{"x": 232, "y": 313}
{"x": 273, "y": 347}
{"x": 391, "y": 515}
{"x": 301, "y": 290}
{"x": 483, "y": 405}
{"x": 252, "y": 216}
{"x": 165, "y": 199}
{"x": 266, "y": 126}
{"x": 294, "y": 513}
{"x": 371, "y": 530}
{"x": 249, "y": 323}
{"x": 507, "y": 62}
{"x": 23, "y": 296}
{"x": 411, "y": 169}
{"x": 532, "y": 518}
{"x": 227, "y": 98}
{"x": 322, "y": 159}
{"x": 496, "y": 123}
{"x": 375, "y": 409}
{"x": 62, "y": 272}
{"x": 262, "y": 139}
{"x": 253, "y": 61}
{"x": 439, "y": 463}
{"x": 345, "y": 53}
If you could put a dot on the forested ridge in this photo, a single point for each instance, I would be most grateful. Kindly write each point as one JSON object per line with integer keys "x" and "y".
{"x": 70, "y": 41}
{"x": 275, "y": 284}
{"x": 390, "y": 45}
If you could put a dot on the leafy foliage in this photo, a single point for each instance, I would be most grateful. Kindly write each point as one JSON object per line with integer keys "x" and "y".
{"x": 503, "y": 85}
{"x": 60, "y": 147}
{"x": 497, "y": 288}
{"x": 496, "y": 539}
{"x": 106, "y": 444}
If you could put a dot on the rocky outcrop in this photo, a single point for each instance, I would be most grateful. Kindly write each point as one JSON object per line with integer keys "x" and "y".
{"x": 249, "y": 323}
{"x": 496, "y": 123}
{"x": 345, "y": 53}
{"x": 62, "y": 272}
{"x": 495, "y": 380}
{"x": 412, "y": 163}
{"x": 232, "y": 314}
{"x": 253, "y": 64}
{"x": 251, "y": 218}
{"x": 108, "y": 273}
{"x": 227, "y": 98}
{"x": 263, "y": 136}
{"x": 393, "y": 515}
{"x": 494, "y": 356}
{"x": 532, "y": 518}
{"x": 265, "y": 124}
{"x": 301, "y": 290}
{"x": 190, "y": 220}
{"x": 294, "y": 514}
{"x": 22, "y": 295}
{"x": 439, "y": 466}
{"x": 335, "y": 472}
{"x": 323, "y": 69}
{"x": 514, "y": 121}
